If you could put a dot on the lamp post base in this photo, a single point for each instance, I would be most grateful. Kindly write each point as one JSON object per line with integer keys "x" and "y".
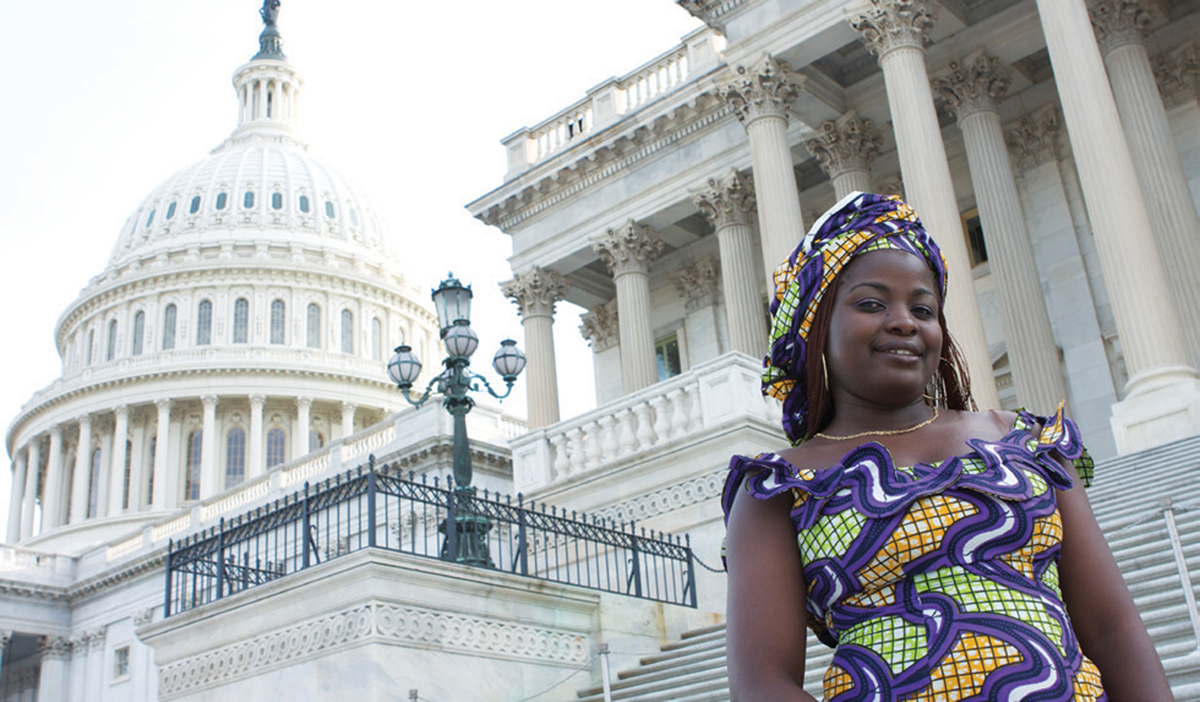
{"x": 470, "y": 533}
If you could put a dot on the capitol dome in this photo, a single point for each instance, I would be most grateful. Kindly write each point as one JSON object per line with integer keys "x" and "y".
{"x": 244, "y": 319}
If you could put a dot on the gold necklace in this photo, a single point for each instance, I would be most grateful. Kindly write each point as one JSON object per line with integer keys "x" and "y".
{"x": 892, "y": 432}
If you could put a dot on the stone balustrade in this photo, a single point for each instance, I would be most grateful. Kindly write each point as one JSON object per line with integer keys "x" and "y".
{"x": 35, "y": 565}
{"x": 656, "y": 419}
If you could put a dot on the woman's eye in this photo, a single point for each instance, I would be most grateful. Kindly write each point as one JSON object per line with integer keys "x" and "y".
{"x": 869, "y": 306}
{"x": 924, "y": 312}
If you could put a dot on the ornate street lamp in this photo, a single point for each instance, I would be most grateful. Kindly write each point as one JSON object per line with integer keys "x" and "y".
{"x": 453, "y": 303}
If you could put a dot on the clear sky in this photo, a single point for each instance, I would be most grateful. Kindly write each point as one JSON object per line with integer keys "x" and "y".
{"x": 101, "y": 101}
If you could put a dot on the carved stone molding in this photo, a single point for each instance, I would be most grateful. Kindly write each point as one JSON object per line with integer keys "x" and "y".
{"x": 5, "y": 637}
{"x": 628, "y": 249}
{"x": 600, "y": 327}
{"x": 370, "y": 623}
{"x": 846, "y": 144}
{"x": 1034, "y": 139}
{"x": 668, "y": 499}
{"x": 142, "y": 617}
{"x": 1177, "y": 73}
{"x": 767, "y": 89}
{"x": 710, "y": 12}
{"x": 55, "y": 647}
{"x": 698, "y": 283}
{"x": 535, "y": 291}
{"x": 1121, "y": 22}
{"x": 978, "y": 86}
{"x": 727, "y": 200}
{"x": 894, "y": 24}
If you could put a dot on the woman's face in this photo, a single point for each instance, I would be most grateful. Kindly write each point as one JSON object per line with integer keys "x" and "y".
{"x": 884, "y": 339}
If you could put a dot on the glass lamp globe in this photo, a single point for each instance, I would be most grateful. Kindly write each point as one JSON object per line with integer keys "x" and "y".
{"x": 509, "y": 361}
{"x": 452, "y": 300}
{"x": 404, "y": 367}
{"x": 461, "y": 339}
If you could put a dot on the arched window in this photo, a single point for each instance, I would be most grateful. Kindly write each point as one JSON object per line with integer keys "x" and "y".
{"x": 376, "y": 339}
{"x": 221, "y": 198}
{"x": 248, "y": 199}
{"x": 235, "y": 457}
{"x": 111, "y": 351}
{"x": 329, "y": 211}
{"x": 277, "y": 201}
{"x": 276, "y": 447}
{"x": 304, "y": 203}
{"x": 195, "y": 206}
{"x": 168, "y": 331}
{"x": 139, "y": 332}
{"x": 195, "y": 450}
{"x": 353, "y": 217}
{"x": 314, "y": 325}
{"x": 170, "y": 210}
{"x": 91, "y": 346}
{"x": 204, "y": 323}
{"x": 278, "y": 322}
{"x": 150, "y": 219}
{"x": 94, "y": 485}
{"x": 241, "y": 320}
{"x": 316, "y": 440}
{"x": 347, "y": 331}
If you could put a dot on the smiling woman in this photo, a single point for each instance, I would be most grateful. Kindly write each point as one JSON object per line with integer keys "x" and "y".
{"x": 950, "y": 535}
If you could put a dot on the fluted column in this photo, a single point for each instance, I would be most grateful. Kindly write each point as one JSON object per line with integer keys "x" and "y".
{"x": 846, "y": 149}
{"x": 627, "y": 252}
{"x": 257, "y": 459}
{"x": 52, "y": 497}
{"x": 210, "y": 482}
{"x": 116, "y": 469}
{"x": 973, "y": 94}
{"x": 348, "y": 410}
{"x": 1120, "y": 25}
{"x": 20, "y": 462}
{"x": 300, "y": 441}
{"x": 534, "y": 292}
{"x": 52, "y": 681}
{"x": 81, "y": 481}
{"x": 896, "y": 30}
{"x": 1163, "y": 395}
{"x": 137, "y": 466}
{"x": 29, "y": 502}
{"x": 760, "y": 96}
{"x": 729, "y": 205}
{"x": 161, "y": 497}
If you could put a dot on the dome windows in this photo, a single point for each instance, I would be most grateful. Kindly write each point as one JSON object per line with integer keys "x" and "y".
{"x": 347, "y": 331}
{"x": 248, "y": 199}
{"x": 241, "y": 321}
{"x": 195, "y": 450}
{"x": 171, "y": 210}
{"x": 111, "y": 350}
{"x": 139, "y": 332}
{"x": 278, "y": 322}
{"x": 276, "y": 447}
{"x": 150, "y": 219}
{"x": 353, "y": 217}
{"x": 314, "y": 325}
{"x": 195, "y": 206}
{"x": 329, "y": 211}
{"x": 221, "y": 199}
{"x": 235, "y": 457}
{"x": 168, "y": 333}
{"x": 304, "y": 204}
{"x": 277, "y": 201}
{"x": 204, "y": 323}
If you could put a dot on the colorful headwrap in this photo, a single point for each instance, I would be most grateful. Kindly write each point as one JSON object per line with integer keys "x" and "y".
{"x": 861, "y": 222}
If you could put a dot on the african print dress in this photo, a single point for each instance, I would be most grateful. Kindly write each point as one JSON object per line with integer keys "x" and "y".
{"x": 938, "y": 581}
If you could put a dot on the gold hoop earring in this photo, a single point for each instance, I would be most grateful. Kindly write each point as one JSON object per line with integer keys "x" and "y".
{"x": 824, "y": 371}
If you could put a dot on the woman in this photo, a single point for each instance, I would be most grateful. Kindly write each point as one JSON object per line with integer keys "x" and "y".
{"x": 939, "y": 549}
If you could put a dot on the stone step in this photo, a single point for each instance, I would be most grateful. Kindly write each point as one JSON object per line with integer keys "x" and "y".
{"x": 654, "y": 664}
{"x": 679, "y": 652}
{"x": 708, "y": 680}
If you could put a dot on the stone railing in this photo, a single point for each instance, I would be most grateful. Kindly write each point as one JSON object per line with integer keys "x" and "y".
{"x": 653, "y": 419}
{"x": 36, "y": 563}
{"x": 614, "y": 98}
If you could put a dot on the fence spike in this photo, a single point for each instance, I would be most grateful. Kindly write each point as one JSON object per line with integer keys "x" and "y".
{"x": 573, "y": 516}
{"x": 371, "y": 460}
{"x": 554, "y": 510}
{"x": 435, "y": 480}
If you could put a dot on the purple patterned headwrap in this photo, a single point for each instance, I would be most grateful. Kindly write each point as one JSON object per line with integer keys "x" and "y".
{"x": 861, "y": 222}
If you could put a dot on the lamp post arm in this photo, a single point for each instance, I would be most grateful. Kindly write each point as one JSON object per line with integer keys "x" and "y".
{"x": 488, "y": 386}
{"x": 424, "y": 396}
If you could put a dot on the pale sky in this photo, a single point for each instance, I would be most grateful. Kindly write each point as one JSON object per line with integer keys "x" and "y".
{"x": 102, "y": 101}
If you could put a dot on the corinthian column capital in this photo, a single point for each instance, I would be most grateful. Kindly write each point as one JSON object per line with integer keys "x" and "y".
{"x": 600, "y": 327}
{"x": 766, "y": 89}
{"x": 1177, "y": 73}
{"x": 978, "y": 86}
{"x": 846, "y": 144}
{"x": 727, "y": 200}
{"x": 1035, "y": 138}
{"x": 535, "y": 291}
{"x": 628, "y": 249}
{"x": 55, "y": 647}
{"x": 1121, "y": 22}
{"x": 894, "y": 24}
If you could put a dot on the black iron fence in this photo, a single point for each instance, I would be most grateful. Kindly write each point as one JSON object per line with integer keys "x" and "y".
{"x": 378, "y": 507}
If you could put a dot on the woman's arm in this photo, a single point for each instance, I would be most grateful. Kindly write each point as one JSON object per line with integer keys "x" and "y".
{"x": 1103, "y": 615}
{"x": 766, "y": 634}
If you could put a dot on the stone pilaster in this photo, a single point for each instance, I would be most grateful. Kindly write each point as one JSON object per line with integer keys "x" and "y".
{"x": 116, "y": 468}
{"x": 161, "y": 498}
{"x": 896, "y": 30}
{"x": 52, "y": 497}
{"x": 535, "y": 292}
{"x": 52, "y": 681}
{"x": 600, "y": 327}
{"x": 846, "y": 149}
{"x": 760, "y": 96}
{"x": 627, "y": 251}
{"x": 1163, "y": 395}
{"x": 348, "y": 410}
{"x": 256, "y": 458}
{"x": 29, "y": 500}
{"x": 81, "y": 481}
{"x": 1120, "y": 26}
{"x": 973, "y": 93}
{"x": 211, "y": 481}
{"x": 303, "y": 427}
{"x": 20, "y": 465}
{"x": 729, "y": 204}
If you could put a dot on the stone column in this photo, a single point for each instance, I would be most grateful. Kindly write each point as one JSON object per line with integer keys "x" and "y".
{"x": 1120, "y": 26}
{"x": 846, "y": 149}
{"x": 729, "y": 205}
{"x": 256, "y": 457}
{"x": 20, "y": 462}
{"x": 1163, "y": 396}
{"x": 627, "y": 252}
{"x": 896, "y": 31}
{"x": 760, "y": 97}
{"x": 300, "y": 441}
{"x": 137, "y": 466}
{"x": 210, "y": 478}
{"x": 94, "y": 640}
{"x": 534, "y": 292}
{"x": 973, "y": 94}
{"x": 52, "y": 497}
{"x": 161, "y": 497}
{"x": 81, "y": 481}
{"x": 348, "y": 409}
{"x": 29, "y": 503}
{"x": 5, "y": 638}
{"x": 52, "y": 681}
{"x": 116, "y": 470}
